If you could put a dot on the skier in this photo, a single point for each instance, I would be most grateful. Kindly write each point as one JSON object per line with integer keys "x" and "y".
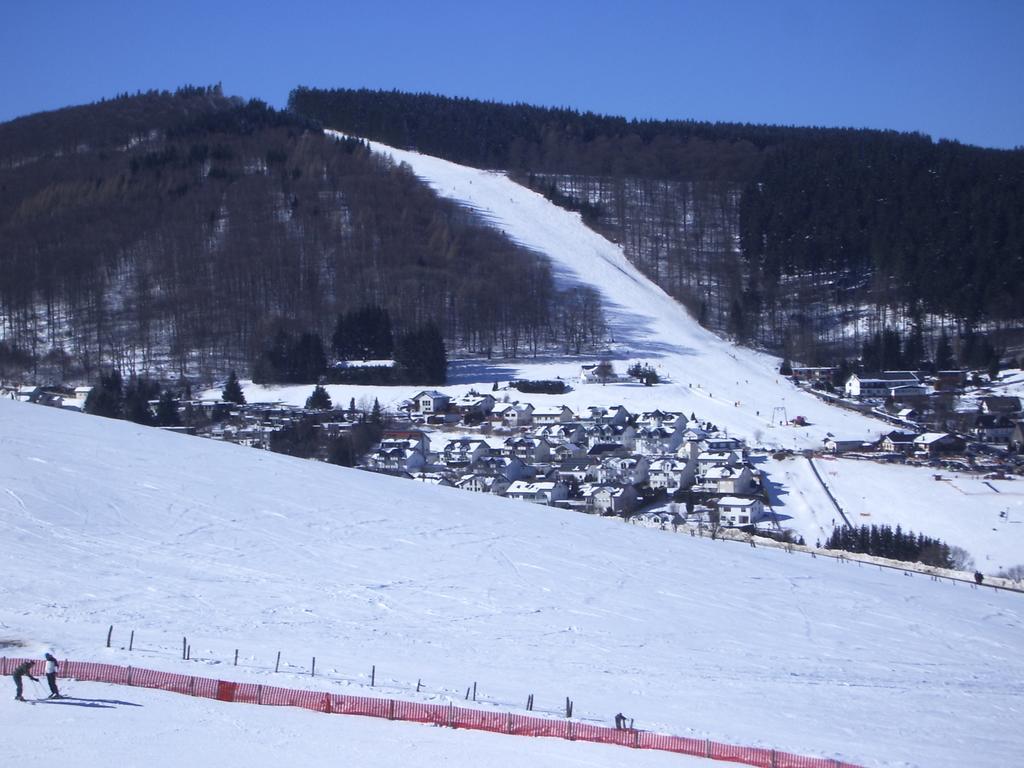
{"x": 978, "y": 577}
{"x": 25, "y": 668}
{"x": 51, "y": 675}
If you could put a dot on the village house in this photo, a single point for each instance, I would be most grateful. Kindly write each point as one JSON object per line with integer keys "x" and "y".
{"x": 462, "y": 452}
{"x": 655, "y": 440}
{"x": 609, "y": 498}
{"x": 839, "y": 445}
{"x": 878, "y": 385}
{"x": 544, "y": 492}
{"x": 818, "y": 375}
{"x": 737, "y": 511}
{"x": 950, "y": 381}
{"x": 568, "y": 432}
{"x": 993, "y": 428}
{"x": 663, "y": 519}
{"x": 553, "y": 414}
{"x": 430, "y": 401}
{"x": 615, "y": 415}
{"x": 933, "y": 444}
{"x": 509, "y": 467}
{"x": 721, "y": 444}
{"x": 431, "y": 478}
{"x": 575, "y": 472}
{"x": 512, "y": 415}
{"x": 738, "y": 480}
{"x": 623, "y": 469}
{"x": 1000, "y": 406}
{"x": 28, "y": 393}
{"x": 898, "y": 442}
{"x": 472, "y": 406}
{"x": 484, "y": 483}
{"x": 709, "y": 459}
{"x": 564, "y": 451}
{"x": 396, "y": 456}
{"x": 659, "y": 418}
{"x": 622, "y": 434}
{"x": 670, "y": 474}
{"x": 529, "y": 449}
{"x": 420, "y": 438}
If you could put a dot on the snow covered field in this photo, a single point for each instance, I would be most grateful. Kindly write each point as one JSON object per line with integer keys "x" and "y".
{"x": 110, "y": 523}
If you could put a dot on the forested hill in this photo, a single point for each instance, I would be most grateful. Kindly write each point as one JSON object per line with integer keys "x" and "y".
{"x": 806, "y": 240}
{"x": 184, "y": 231}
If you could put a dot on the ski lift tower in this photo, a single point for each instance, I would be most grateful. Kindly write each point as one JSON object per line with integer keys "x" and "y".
{"x": 779, "y": 417}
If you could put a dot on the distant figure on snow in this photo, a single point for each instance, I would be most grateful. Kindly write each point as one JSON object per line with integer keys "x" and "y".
{"x": 620, "y": 721}
{"x": 20, "y": 671}
{"x": 51, "y": 675}
{"x": 978, "y": 578}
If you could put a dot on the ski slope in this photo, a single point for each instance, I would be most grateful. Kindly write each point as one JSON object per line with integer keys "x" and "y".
{"x": 723, "y": 382}
{"x": 108, "y": 523}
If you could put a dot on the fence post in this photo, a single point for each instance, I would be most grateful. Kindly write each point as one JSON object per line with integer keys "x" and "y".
{"x": 508, "y": 723}
{"x": 109, "y": 633}
{"x": 451, "y": 715}
{"x": 636, "y": 741}
{"x": 3, "y": 666}
{"x": 131, "y": 640}
{"x": 236, "y": 657}
{"x": 707, "y": 748}
{"x": 259, "y": 694}
{"x": 313, "y": 671}
{"x": 391, "y": 709}
{"x": 184, "y": 646}
{"x": 129, "y": 675}
{"x": 277, "y": 663}
{"x": 569, "y": 732}
{"x": 373, "y": 675}
{"x": 191, "y": 686}
{"x": 774, "y": 764}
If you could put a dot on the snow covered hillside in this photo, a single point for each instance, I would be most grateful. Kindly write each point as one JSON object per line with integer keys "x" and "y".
{"x": 109, "y": 523}
{"x": 734, "y": 387}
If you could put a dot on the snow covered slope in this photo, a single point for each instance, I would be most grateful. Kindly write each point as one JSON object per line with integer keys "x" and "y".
{"x": 108, "y": 523}
{"x": 726, "y": 383}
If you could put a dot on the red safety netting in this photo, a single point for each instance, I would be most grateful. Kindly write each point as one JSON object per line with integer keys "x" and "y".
{"x": 409, "y": 711}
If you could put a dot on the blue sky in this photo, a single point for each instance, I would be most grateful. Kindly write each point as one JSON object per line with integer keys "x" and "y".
{"x": 949, "y": 69}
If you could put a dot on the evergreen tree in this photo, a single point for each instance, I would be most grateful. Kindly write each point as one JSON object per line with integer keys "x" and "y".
{"x": 320, "y": 400}
{"x": 233, "y": 390}
{"x": 167, "y": 410}
{"x": 137, "y": 395}
{"x": 375, "y": 414}
{"x": 943, "y": 353}
{"x": 107, "y": 397}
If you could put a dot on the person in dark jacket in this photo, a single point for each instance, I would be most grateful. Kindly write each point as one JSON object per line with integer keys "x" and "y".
{"x": 20, "y": 671}
{"x": 51, "y": 675}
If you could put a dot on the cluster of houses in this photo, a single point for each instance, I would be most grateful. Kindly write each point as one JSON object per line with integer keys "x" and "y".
{"x": 604, "y": 460}
{"x": 998, "y": 421}
{"x": 71, "y": 399}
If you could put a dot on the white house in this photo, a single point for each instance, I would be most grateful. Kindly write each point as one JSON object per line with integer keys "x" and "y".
{"x": 878, "y": 384}
{"x": 708, "y": 459}
{"x": 482, "y": 483}
{"x": 609, "y": 498}
{"x": 396, "y": 456}
{"x": 544, "y": 492}
{"x": 733, "y": 510}
{"x": 431, "y": 401}
{"x": 729, "y": 480}
{"x": 672, "y": 474}
{"x": 553, "y": 414}
{"x": 463, "y": 451}
{"x": 513, "y": 414}
{"x": 654, "y": 440}
{"x": 623, "y": 469}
